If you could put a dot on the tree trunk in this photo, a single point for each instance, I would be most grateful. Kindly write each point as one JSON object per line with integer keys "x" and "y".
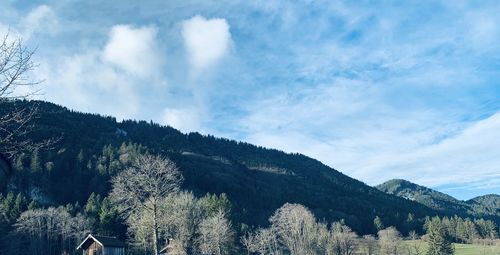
{"x": 155, "y": 231}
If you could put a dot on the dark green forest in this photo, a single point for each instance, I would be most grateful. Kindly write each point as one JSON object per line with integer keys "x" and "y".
{"x": 86, "y": 150}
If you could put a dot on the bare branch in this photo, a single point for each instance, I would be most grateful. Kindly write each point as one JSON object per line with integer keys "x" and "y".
{"x": 15, "y": 115}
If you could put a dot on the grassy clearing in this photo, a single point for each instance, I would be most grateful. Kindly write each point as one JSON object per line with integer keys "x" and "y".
{"x": 466, "y": 249}
{"x": 470, "y": 249}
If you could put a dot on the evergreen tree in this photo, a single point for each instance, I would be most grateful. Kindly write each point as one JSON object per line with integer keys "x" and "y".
{"x": 32, "y": 205}
{"x": 93, "y": 206}
{"x": 438, "y": 240}
{"x": 36, "y": 165}
{"x": 109, "y": 219}
{"x": 377, "y": 222}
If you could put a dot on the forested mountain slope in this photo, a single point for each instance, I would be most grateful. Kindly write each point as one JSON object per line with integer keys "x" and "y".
{"x": 483, "y": 206}
{"x": 90, "y": 149}
{"x": 487, "y": 204}
{"x": 491, "y": 200}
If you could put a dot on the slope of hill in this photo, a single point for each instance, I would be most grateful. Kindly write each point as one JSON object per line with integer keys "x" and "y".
{"x": 491, "y": 200}
{"x": 480, "y": 206}
{"x": 90, "y": 149}
{"x": 485, "y": 205}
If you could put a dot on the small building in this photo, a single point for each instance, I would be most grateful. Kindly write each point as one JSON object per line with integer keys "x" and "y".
{"x": 102, "y": 245}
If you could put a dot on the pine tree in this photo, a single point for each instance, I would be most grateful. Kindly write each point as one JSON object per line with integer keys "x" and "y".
{"x": 32, "y": 205}
{"x": 109, "y": 219}
{"x": 438, "y": 240}
{"x": 35, "y": 165}
{"x": 93, "y": 206}
{"x": 377, "y": 222}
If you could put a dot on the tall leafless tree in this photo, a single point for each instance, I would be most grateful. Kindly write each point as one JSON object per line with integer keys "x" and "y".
{"x": 369, "y": 244}
{"x": 15, "y": 84}
{"x": 216, "y": 235}
{"x": 296, "y": 228}
{"x": 341, "y": 240}
{"x": 141, "y": 188}
{"x": 389, "y": 241}
{"x": 51, "y": 230}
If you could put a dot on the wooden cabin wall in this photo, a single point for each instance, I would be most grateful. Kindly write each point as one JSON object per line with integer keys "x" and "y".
{"x": 95, "y": 246}
{"x": 114, "y": 251}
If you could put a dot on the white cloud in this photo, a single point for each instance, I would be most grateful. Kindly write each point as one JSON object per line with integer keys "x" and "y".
{"x": 352, "y": 127}
{"x": 186, "y": 120}
{"x": 470, "y": 156}
{"x": 83, "y": 82}
{"x": 105, "y": 80}
{"x": 41, "y": 19}
{"x": 206, "y": 40}
{"x": 133, "y": 49}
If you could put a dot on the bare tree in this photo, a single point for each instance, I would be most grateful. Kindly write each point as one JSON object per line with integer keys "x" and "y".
{"x": 389, "y": 241}
{"x": 369, "y": 244}
{"x": 216, "y": 235}
{"x": 141, "y": 188}
{"x": 342, "y": 240}
{"x": 296, "y": 228}
{"x": 51, "y": 230}
{"x": 180, "y": 216}
{"x": 262, "y": 241}
{"x": 15, "y": 84}
{"x": 414, "y": 247}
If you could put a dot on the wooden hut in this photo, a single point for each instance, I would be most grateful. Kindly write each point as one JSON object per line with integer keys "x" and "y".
{"x": 101, "y": 245}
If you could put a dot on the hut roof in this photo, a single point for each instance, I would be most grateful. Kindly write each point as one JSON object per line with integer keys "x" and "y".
{"x": 105, "y": 241}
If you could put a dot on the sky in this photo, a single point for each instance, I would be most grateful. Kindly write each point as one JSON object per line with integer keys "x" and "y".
{"x": 375, "y": 89}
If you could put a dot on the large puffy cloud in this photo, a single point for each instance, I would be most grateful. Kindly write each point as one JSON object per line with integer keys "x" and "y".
{"x": 84, "y": 82}
{"x": 206, "y": 40}
{"x": 105, "y": 79}
{"x": 133, "y": 49}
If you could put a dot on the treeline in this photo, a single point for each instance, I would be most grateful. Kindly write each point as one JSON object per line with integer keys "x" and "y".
{"x": 71, "y": 174}
{"x": 189, "y": 221}
{"x": 466, "y": 230}
{"x": 190, "y": 224}
{"x": 294, "y": 230}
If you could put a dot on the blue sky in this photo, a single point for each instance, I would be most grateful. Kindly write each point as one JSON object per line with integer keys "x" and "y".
{"x": 375, "y": 89}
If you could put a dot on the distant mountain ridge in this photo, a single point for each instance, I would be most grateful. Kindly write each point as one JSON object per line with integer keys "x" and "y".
{"x": 491, "y": 200}
{"x": 488, "y": 205}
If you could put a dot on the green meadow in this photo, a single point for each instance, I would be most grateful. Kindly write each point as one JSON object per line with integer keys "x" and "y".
{"x": 471, "y": 249}
{"x": 467, "y": 249}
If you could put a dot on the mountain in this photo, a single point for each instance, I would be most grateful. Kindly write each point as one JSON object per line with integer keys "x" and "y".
{"x": 484, "y": 206}
{"x": 89, "y": 149}
{"x": 487, "y": 204}
{"x": 491, "y": 200}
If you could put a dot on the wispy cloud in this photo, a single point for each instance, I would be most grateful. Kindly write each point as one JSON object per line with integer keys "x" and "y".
{"x": 377, "y": 90}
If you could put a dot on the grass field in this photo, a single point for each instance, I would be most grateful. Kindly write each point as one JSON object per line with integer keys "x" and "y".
{"x": 468, "y": 249}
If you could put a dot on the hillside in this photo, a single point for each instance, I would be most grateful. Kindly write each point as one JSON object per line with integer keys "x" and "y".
{"x": 488, "y": 204}
{"x": 479, "y": 206}
{"x": 90, "y": 149}
{"x": 491, "y": 200}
